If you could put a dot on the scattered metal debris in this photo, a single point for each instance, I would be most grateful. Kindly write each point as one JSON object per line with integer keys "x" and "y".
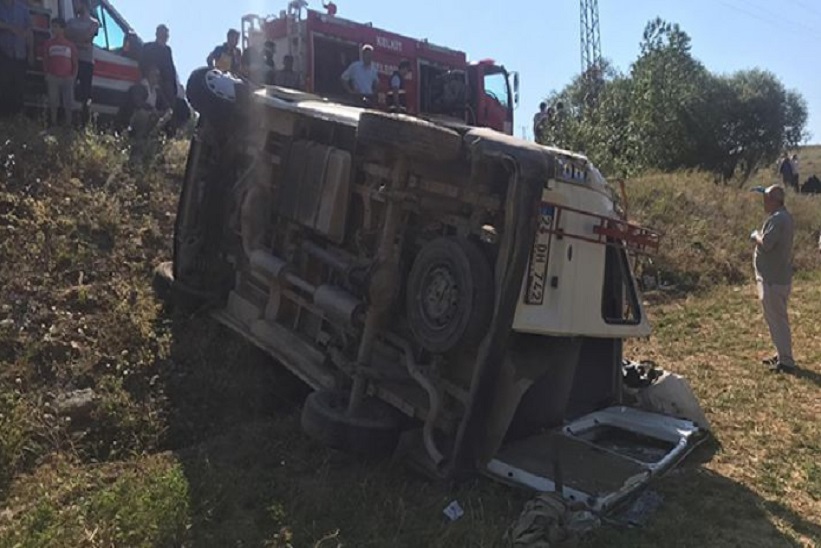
{"x": 640, "y": 512}
{"x": 547, "y": 521}
{"x": 454, "y": 511}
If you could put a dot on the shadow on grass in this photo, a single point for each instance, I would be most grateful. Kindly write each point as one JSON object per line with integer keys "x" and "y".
{"x": 234, "y": 426}
{"x": 702, "y": 508}
{"x": 805, "y": 374}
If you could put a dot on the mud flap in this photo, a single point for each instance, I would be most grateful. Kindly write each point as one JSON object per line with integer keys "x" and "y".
{"x": 599, "y": 459}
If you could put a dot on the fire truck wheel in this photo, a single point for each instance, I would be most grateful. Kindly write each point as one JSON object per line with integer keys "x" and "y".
{"x": 373, "y": 431}
{"x": 449, "y": 295}
{"x": 408, "y": 135}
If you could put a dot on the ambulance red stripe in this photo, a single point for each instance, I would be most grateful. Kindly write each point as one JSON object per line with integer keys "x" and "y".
{"x": 116, "y": 71}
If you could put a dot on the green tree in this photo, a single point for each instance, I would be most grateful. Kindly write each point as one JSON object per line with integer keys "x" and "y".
{"x": 671, "y": 113}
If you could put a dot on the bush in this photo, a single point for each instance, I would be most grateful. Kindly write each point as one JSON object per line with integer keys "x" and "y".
{"x": 707, "y": 226}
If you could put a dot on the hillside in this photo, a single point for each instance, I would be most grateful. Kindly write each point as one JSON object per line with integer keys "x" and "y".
{"x": 187, "y": 436}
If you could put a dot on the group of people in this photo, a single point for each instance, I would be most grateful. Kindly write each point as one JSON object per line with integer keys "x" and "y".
{"x": 545, "y": 116}
{"x": 158, "y": 100}
{"x": 256, "y": 63}
{"x": 68, "y": 66}
{"x": 68, "y": 59}
{"x": 360, "y": 80}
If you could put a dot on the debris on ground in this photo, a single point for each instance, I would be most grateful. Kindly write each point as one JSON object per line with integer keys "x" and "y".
{"x": 454, "y": 511}
{"x": 658, "y": 391}
{"x": 77, "y": 405}
{"x": 639, "y": 513}
{"x": 640, "y": 374}
{"x": 548, "y": 522}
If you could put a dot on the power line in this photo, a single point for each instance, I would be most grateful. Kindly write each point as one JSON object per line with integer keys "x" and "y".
{"x": 780, "y": 17}
{"x": 807, "y": 7}
{"x": 770, "y": 20}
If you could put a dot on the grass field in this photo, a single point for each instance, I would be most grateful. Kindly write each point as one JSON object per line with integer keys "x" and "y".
{"x": 193, "y": 438}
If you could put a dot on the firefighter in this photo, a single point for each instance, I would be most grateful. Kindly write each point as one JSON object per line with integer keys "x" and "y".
{"x": 397, "y": 95}
{"x": 361, "y": 77}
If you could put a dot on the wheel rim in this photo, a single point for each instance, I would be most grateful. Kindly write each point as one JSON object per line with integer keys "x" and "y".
{"x": 440, "y": 297}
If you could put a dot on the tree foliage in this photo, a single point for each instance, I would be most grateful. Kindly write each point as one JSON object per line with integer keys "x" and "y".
{"x": 669, "y": 112}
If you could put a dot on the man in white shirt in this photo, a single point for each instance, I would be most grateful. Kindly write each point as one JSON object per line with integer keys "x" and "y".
{"x": 361, "y": 77}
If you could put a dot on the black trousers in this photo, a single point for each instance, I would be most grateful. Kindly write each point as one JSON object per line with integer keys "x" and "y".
{"x": 85, "y": 77}
{"x": 12, "y": 85}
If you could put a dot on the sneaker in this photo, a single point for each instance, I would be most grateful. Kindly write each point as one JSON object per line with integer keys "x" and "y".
{"x": 771, "y": 361}
{"x": 782, "y": 368}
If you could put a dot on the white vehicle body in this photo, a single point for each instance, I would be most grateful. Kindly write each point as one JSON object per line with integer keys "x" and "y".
{"x": 477, "y": 284}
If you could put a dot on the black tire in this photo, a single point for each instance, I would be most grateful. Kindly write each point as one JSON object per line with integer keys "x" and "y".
{"x": 170, "y": 292}
{"x": 219, "y": 110}
{"x": 373, "y": 432}
{"x": 449, "y": 295}
{"x": 407, "y": 135}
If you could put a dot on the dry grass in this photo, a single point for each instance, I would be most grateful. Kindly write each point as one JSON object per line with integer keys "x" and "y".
{"x": 195, "y": 439}
{"x": 763, "y": 485}
{"x": 706, "y": 229}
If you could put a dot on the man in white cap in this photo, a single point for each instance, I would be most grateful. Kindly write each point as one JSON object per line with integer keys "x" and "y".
{"x": 773, "y": 273}
{"x": 361, "y": 77}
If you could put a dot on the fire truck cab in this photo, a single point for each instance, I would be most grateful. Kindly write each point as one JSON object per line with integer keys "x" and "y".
{"x": 116, "y": 50}
{"x": 442, "y": 82}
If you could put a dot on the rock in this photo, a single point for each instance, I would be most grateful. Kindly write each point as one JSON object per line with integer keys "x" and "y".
{"x": 77, "y": 405}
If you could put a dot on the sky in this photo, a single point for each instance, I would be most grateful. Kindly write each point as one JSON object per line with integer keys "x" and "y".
{"x": 540, "y": 39}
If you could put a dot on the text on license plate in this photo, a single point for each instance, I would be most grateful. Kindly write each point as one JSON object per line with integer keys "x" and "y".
{"x": 537, "y": 272}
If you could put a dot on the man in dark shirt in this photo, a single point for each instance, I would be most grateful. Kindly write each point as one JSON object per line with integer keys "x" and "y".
{"x": 288, "y": 77}
{"x": 15, "y": 49}
{"x": 397, "y": 95}
{"x": 227, "y": 57}
{"x": 158, "y": 54}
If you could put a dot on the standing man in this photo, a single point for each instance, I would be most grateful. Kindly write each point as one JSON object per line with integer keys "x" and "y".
{"x": 288, "y": 77}
{"x": 786, "y": 171}
{"x": 796, "y": 182}
{"x": 773, "y": 273}
{"x": 15, "y": 49}
{"x": 538, "y": 120}
{"x": 60, "y": 64}
{"x": 158, "y": 54}
{"x": 397, "y": 96}
{"x": 227, "y": 57}
{"x": 81, "y": 30}
{"x": 361, "y": 77}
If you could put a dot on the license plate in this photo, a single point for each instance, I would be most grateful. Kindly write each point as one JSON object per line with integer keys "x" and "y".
{"x": 537, "y": 273}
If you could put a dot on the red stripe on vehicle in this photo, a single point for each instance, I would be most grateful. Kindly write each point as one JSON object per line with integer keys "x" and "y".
{"x": 116, "y": 71}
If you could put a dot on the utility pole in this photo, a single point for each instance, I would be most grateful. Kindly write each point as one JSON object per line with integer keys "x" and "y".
{"x": 591, "y": 50}
{"x": 590, "y": 36}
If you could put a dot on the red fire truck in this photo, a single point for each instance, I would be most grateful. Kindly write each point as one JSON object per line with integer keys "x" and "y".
{"x": 442, "y": 81}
